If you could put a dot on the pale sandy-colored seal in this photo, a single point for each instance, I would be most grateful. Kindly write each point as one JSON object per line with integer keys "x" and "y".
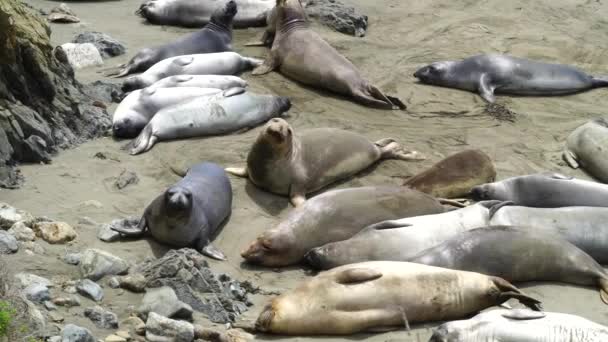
{"x": 587, "y": 147}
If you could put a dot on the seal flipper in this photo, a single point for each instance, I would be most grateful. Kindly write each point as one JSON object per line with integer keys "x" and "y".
{"x": 603, "y": 282}
{"x": 270, "y": 63}
{"x": 508, "y": 291}
{"x": 494, "y": 208}
{"x": 237, "y": 171}
{"x": 212, "y": 252}
{"x": 144, "y": 141}
{"x": 183, "y": 60}
{"x": 486, "y": 91}
{"x": 570, "y": 158}
{"x": 357, "y": 275}
{"x": 390, "y": 149}
{"x": 134, "y": 232}
{"x": 389, "y": 224}
{"x": 523, "y": 314}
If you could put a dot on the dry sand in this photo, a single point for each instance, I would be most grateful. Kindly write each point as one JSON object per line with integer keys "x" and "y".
{"x": 403, "y": 36}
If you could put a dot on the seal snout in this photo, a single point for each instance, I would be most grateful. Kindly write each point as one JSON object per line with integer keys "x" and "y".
{"x": 315, "y": 258}
{"x": 284, "y": 104}
{"x": 479, "y": 193}
{"x": 179, "y": 199}
{"x": 130, "y": 84}
{"x": 278, "y": 129}
{"x": 231, "y": 8}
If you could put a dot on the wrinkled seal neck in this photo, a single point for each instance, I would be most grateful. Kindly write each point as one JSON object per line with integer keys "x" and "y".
{"x": 291, "y": 19}
{"x": 219, "y": 25}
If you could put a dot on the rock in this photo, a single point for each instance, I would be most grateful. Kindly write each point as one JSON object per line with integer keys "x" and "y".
{"x": 26, "y": 279}
{"x": 132, "y": 324}
{"x": 115, "y": 338}
{"x": 164, "y": 302}
{"x": 50, "y": 306}
{"x": 81, "y": 56}
{"x": 105, "y": 92}
{"x": 10, "y": 215}
{"x": 102, "y": 318}
{"x": 72, "y": 258}
{"x": 232, "y": 335}
{"x": 21, "y": 232}
{"x": 35, "y": 150}
{"x": 37, "y": 293}
{"x": 159, "y": 328}
{"x": 90, "y": 289}
{"x": 123, "y": 334}
{"x": 114, "y": 283}
{"x": 33, "y": 248}
{"x": 338, "y": 16}
{"x": 125, "y": 179}
{"x": 55, "y": 232}
{"x": 55, "y": 317}
{"x": 10, "y": 176}
{"x": 54, "y": 339}
{"x": 107, "y": 46}
{"x": 106, "y": 234}
{"x": 95, "y": 264}
{"x": 62, "y": 14}
{"x": 8, "y": 243}
{"x": 66, "y": 301}
{"x": 74, "y": 333}
{"x": 134, "y": 283}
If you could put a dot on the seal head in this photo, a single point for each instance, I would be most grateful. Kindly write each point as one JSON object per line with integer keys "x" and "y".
{"x": 128, "y": 127}
{"x": 437, "y": 73}
{"x": 224, "y": 16}
{"x": 269, "y": 249}
{"x": 178, "y": 201}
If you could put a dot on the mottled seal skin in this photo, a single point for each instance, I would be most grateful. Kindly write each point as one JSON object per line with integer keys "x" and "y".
{"x": 222, "y": 82}
{"x": 383, "y": 294}
{"x": 302, "y": 55}
{"x": 455, "y": 175}
{"x": 501, "y": 74}
{"x": 189, "y": 213}
{"x": 587, "y": 147}
{"x": 517, "y": 254}
{"x": 333, "y": 216}
{"x": 544, "y": 190}
{"x": 520, "y": 325}
{"x": 291, "y": 163}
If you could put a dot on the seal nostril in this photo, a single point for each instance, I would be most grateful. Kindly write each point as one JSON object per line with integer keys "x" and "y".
{"x": 313, "y": 259}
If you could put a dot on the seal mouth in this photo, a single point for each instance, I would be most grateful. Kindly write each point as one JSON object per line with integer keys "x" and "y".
{"x": 231, "y": 8}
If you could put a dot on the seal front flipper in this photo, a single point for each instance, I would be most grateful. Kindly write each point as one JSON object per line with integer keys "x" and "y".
{"x": 270, "y": 63}
{"x": 144, "y": 141}
{"x": 133, "y": 232}
{"x": 357, "y": 275}
{"x": 237, "y": 171}
{"x": 523, "y": 314}
{"x": 183, "y": 61}
{"x": 486, "y": 90}
{"x": 493, "y": 206}
{"x": 390, "y": 224}
{"x": 570, "y": 158}
{"x": 212, "y": 252}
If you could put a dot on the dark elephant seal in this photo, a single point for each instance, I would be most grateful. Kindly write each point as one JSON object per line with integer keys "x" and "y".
{"x": 291, "y": 163}
{"x": 189, "y": 213}
{"x": 301, "y": 54}
{"x": 518, "y": 255}
{"x": 587, "y": 147}
{"x": 333, "y": 216}
{"x": 455, "y": 175}
{"x": 544, "y": 190}
{"x": 501, "y": 74}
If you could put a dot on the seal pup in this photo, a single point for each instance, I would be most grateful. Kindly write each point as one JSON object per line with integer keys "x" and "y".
{"x": 383, "y": 294}
{"x": 284, "y": 162}
{"x": 520, "y": 325}
{"x": 498, "y": 250}
{"x": 493, "y": 73}
{"x": 189, "y": 213}
{"x": 333, "y": 216}
{"x": 544, "y": 190}
{"x": 301, "y": 54}
{"x": 587, "y": 147}
{"x": 216, "y": 36}
{"x": 220, "y": 63}
{"x": 455, "y": 175}
{"x": 225, "y": 112}
{"x": 222, "y": 82}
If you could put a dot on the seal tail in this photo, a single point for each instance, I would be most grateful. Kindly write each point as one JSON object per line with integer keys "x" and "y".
{"x": 599, "y": 81}
{"x": 603, "y": 282}
{"x": 144, "y": 141}
{"x": 373, "y": 97}
{"x": 390, "y": 149}
{"x": 509, "y": 291}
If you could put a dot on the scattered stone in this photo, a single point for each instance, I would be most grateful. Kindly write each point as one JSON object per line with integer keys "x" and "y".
{"x": 95, "y": 264}
{"x": 55, "y": 317}
{"x": 338, "y": 16}
{"x": 26, "y": 279}
{"x": 106, "y": 234}
{"x": 72, "y": 258}
{"x": 232, "y": 335}
{"x": 132, "y": 324}
{"x": 102, "y": 318}
{"x": 22, "y": 232}
{"x": 91, "y": 204}
{"x": 159, "y": 328}
{"x": 114, "y": 283}
{"x": 50, "y": 306}
{"x": 66, "y": 301}
{"x": 81, "y": 55}
{"x": 115, "y": 338}
{"x": 33, "y": 248}
{"x": 37, "y": 293}
{"x": 8, "y": 243}
{"x": 35, "y": 150}
{"x": 10, "y": 215}
{"x": 90, "y": 289}
{"x": 164, "y": 302}
{"x": 63, "y": 14}
{"x": 107, "y": 46}
{"x": 74, "y": 333}
{"x": 55, "y": 232}
{"x": 134, "y": 283}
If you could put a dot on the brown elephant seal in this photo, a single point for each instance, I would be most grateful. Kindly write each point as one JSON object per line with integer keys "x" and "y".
{"x": 284, "y": 162}
{"x": 455, "y": 175}
{"x": 383, "y": 294}
{"x": 334, "y": 216}
{"x": 301, "y": 54}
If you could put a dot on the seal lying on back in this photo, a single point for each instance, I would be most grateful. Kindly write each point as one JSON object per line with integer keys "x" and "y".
{"x": 521, "y": 325}
{"x": 383, "y": 294}
{"x": 544, "y": 190}
{"x": 333, "y": 216}
{"x": 517, "y": 255}
{"x": 492, "y": 73}
{"x": 301, "y": 54}
{"x": 222, "y": 82}
{"x": 587, "y": 146}
{"x": 455, "y": 175}
{"x": 189, "y": 213}
{"x": 225, "y": 112}
{"x": 288, "y": 163}
{"x": 215, "y": 37}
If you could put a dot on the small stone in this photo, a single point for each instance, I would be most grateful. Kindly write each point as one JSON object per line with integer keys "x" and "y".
{"x": 54, "y": 339}
{"x": 33, "y": 248}
{"x": 91, "y": 204}
{"x": 26, "y": 279}
{"x": 106, "y": 234}
{"x": 72, "y": 258}
{"x": 66, "y": 301}
{"x": 22, "y": 232}
{"x": 8, "y": 243}
{"x": 74, "y": 333}
{"x": 50, "y": 306}
{"x": 55, "y": 318}
{"x": 123, "y": 334}
{"x": 95, "y": 264}
{"x": 55, "y": 232}
{"x": 159, "y": 328}
{"x": 125, "y": 179}
{"x": 115, "y": 338}
{"x": 71, "y": 289}
{"x": 114, "y": 283}
{"x": 90, "y": 289}
{"x": 10, "y": 215}
{"x": 37, "y": 293}
{"x": 107, "y": 46}
{"x": 140, "y": 329}
{"x": 135, "y": 283}
{"x": 164, "y": 301}
{"x": 81, "y": 55}
{"x": 102, "y": 318}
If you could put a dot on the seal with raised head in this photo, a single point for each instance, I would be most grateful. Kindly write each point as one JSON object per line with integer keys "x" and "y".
{"x": 587, "y": 147}
{"x": 301, "y": 54}
{"x": 284, "y": 162}
{"x": 334, "y": 216}
{"x": 190, "y": 212}
{"x": 222, "y": 82}
{"x": 501, "y": 74}
{"x": 383, "y": 294}
{"x": 455, "y": 175}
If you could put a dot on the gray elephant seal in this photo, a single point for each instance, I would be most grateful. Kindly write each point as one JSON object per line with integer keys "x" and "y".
{"x": 333, "y": 216}
{"x": 222, "y": 82}
{"x": 383, "y": 294}
{"x": 286, "y": 162}
{"x": 520, "y": 325}
{"x": 587, "y": 147}
{"x": 501, "y": 74}
{"x": 301, "y": 54}
{"x": 544, "y": 190}
{"x": 189, "y": 213}
{"x": 498, "y": 250}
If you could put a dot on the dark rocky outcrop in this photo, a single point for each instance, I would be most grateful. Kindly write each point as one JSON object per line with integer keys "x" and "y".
{"x": 340, "y": 17}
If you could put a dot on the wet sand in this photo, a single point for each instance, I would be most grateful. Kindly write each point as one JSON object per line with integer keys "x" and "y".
{"x": 403, "y": 35}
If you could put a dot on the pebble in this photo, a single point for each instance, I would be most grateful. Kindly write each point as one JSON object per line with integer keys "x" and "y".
{"x": 54, "y": 339}
{"x": 114, "y": 283}
{"x": 8, "y": 243}
{"x": 159, "y": 327}
{"x": 102, "y": 318}
{"x": 90, "y": 289}
{"x": 125, "y": 179}
{"x": 37, "y": 293}
{"x": 95, "y": 264}
{"x": 133, "y": 323}
{"x": 66, "y": 301}
{"x": 135, "y": 283}
{"x": 164, "y": 301}
{"x": 55, "y": 232}
{"x": 123, "y": 334}
{"x": 50, "y": 306}
{"x": 10, "y": 215}
{"x": 74, "y": 333}
{"x": 106, "y": 234}
{"x": 72, "y": 258}
{"x": 82, "y": 55}
{"x": 22, "y": 232}
{"x": 55, "y": 317}
{"x": 33, "y": 248}
{"x": 115, "y": 338}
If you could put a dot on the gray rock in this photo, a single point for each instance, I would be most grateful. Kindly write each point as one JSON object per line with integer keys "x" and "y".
{"x": 8, "y": 243}
{"x": 62, "y": 14}
{"x": 37, "y": 293}
{"x": 22, "y": 232}
{"x": 338, "y": 16}
{"x": 10, "y": 215}
{"x": 35, "y": 150}
{"x": 134, "y": 283}
{"x": 74, "y": 333}
{"x": 50, "y": 306}
{"x": 72, "y": 258}
{"x": 32, "y": 248}
{"x": 105, "y": 92}
{"x": 159, "y": 328}
{"x": 114, "y": 283}
{"x": 95, "y": 264}
{"x": 107, "y": 46}
{"x": 55, "y": 317}
{"x": 81, "y": 56}
{"x": 102, "y": 318}
{"x": 164, "y": 302}
{"x": 55, "y": 232}
{"x": 90, "y": 289}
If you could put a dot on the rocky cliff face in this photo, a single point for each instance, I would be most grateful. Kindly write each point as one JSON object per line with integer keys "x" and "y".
{"x": 42, "y": 107}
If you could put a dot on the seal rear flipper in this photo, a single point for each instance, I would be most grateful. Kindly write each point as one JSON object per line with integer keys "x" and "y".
{"x": 133, "y": 232}
{"x": 389, "y": 224}
{"x": 523, "y": 314}
{"x": 237, "y": 171}
{"x": 212, "y": 252}
{"x": 486, "y": 91}
{"x": 570, "y": 158}
{"x": 270, "y": 63}
{"x": 390, "y": 149}
{"x": 357, "y": 275}
{"x": 372, "y": 96}
{"x": 453, "y": 203}
{"x": 509, "y": 291}
{"x": 144, "y": 141}
{"x": 603, "y": 282}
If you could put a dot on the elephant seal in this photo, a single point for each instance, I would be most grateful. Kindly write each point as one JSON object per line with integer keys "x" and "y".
{"x": 334, "y": 216}
{"x": 189, "y": 213}
{"x": 383, "y": 294}
{"x": 222, "y": 82}
{"x": 216, "y": 36}
{"x": 221, "y": 63}
{"x": 517, "y": 254}
{"x": 399, "y": 240}
{"x": 587, "y": 146}
{"x": 455, "y": 175}
{"x": 544, "y": 190}
{"x": 194, "y": 13}
{"x": 286, "y": 162}
{"x": 225, "y": 112}
{"x": 520, "y": 325}
{"x": 135, "y": 111}
{"x": 301, "y": 54}
{"x": 501, "y": 74}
